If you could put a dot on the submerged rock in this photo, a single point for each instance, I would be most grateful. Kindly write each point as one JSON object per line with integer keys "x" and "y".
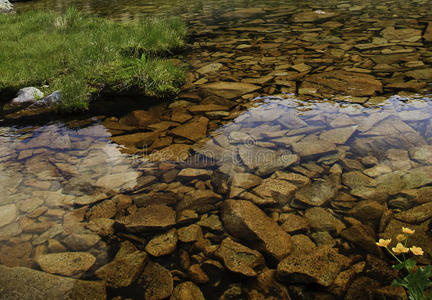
{"x": 124, "y": 270}
{"x": 247, "y": 222}
{"x": 240, "y": 259}
{"x": 151, "y": 217}
{"x": 163, "y": 244}
{"x": 318, "y": 193}
{"x": 187, "y": 290}
{"x": 230, "y": 89}
{"x": 341, "y": 82}
{"x": 66, "y": 263}
{"x": 157, "y": 282}
{"x": 319, "y": 266}
{"x": 23, "y": 283}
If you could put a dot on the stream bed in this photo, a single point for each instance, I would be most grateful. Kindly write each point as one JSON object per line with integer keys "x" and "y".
{"x": 302, "y": 135}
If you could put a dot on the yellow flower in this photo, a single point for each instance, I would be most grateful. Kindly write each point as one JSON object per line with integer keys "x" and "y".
{"x": 401, "y": 237}
{"x": 383, "y": 243}
{"x": 406, "y": 230}
{"x": 416, "y": 250}
{"x": 400, "y": 249}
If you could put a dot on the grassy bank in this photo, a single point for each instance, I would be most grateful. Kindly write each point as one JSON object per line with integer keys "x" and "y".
{"x": 81, "y": 56}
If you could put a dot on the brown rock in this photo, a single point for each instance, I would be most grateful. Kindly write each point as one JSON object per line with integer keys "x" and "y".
{"x": 408, "y": 34}
{"x": 276, "y": 189}
{"x": 338, "y": 135}
{"x": 189, "y": 234}
{"x": 186, "y": 291}
{"x": 23, "y": 283}
{"x": 422, "y": 154}
{"x": 163, "y": 244}
{"x": 244, "y": 12}
{"x": 354, "y": 84}
{"x": 320, "y": 266}
{"x": 428, "y": 33}
{"x": 140, "y": 139}
{"x": 230, "y": 89}
{"x": 391, "y": 293}
{"x": 363, "y": 237}
{"x": 193, "y": 130}
{"x": 138, "y": 118}
{"x": 306, "y": 148}
{"x": 318, "y": 193}
{"x": 368, "y": 211}
{"x": 151, "y": 217}
{"x": 312, "y": 16}
{"x": 200, "y": 200}
{"x": 102, "y": 226}
{"x": 157, "y": 282}
{"x": 361, "y": 288}
{"x": 294, "y": 223}
{"x": 246, "y": 180}
{"x": 197, "y": 275}
{"x": 344, "y": 279}
{"x": 416, "y": 214}
{"x": 207, "y": 108}
{"x": 321, "y": 219}
{"x": 247, "y": 222}
{"x": 190, "y": 174}
{"x": 240, "y": 259}
{"x": 66, "y": 263}
{"x": 8, "y": 214}
{"x": 181, "y": 117}
{"x": 124, "y": 270}
{"x": 81, "y": 242}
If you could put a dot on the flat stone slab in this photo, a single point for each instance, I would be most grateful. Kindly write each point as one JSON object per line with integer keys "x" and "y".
{"x": 342, "y": 82}
{"x": 66, "y": 263}
{"x": 321, "y": 266}
{"x": 151, "y": 217}
{"x": 27, "y": 284}
{"x": 230, "y": 89}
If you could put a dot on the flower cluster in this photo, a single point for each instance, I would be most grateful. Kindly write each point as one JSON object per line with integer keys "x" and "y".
{"x": 401, "y": 248}
{"x": 417, "y": 279}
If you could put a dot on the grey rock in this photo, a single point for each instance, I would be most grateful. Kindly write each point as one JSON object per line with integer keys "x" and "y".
{"x": 47, "y": 101}
{"x": 25, "y": 96}
{"x": 6, "y": 6}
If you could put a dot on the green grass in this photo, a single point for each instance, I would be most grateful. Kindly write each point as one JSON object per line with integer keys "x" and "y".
{"x": 81, "y": 56}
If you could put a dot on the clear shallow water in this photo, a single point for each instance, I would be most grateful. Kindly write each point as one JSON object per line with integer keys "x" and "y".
{"x": 302, "y": 142}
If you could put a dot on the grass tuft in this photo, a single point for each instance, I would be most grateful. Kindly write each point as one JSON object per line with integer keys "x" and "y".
{"x": 81, "y": 55}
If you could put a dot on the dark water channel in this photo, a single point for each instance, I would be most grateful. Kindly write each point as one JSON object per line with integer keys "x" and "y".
{"x": 303, "y": 134}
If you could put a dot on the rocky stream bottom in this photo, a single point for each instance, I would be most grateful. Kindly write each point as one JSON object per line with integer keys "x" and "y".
{"x": 273, "y": 198}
